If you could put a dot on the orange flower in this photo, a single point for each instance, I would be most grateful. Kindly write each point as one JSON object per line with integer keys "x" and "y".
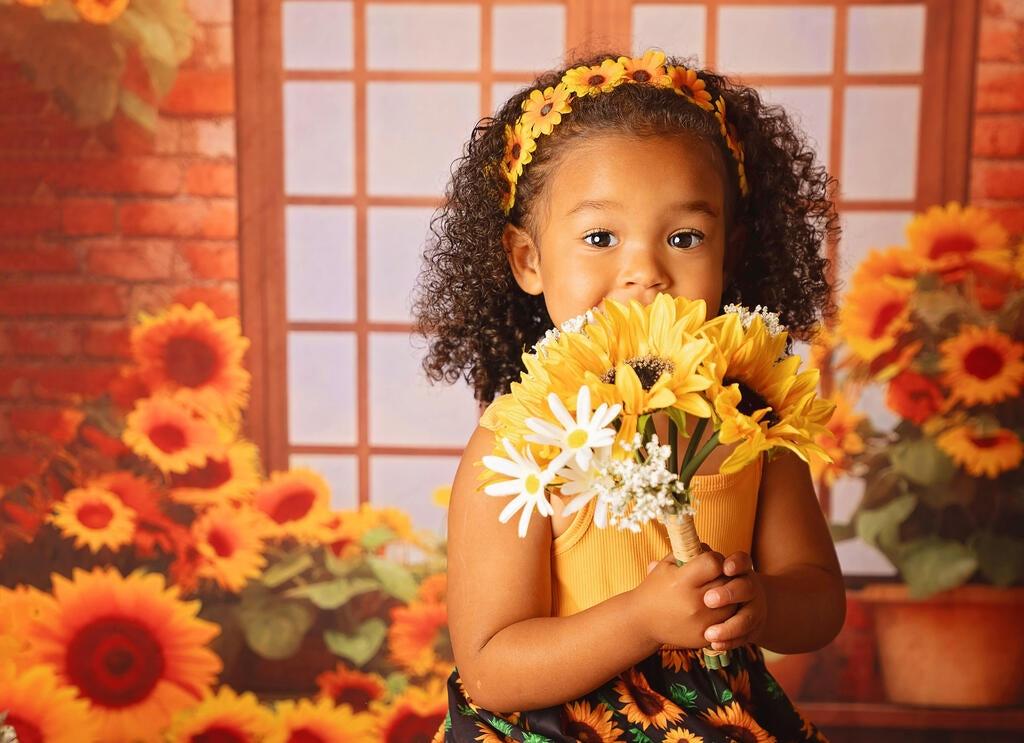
{"x": 320, "y": 722}
{"x": 582, "y": 722}
{"x": 879, "y": 265}
{"x": 874, "y": 317}
{"x": 543, "y": 110}
{"x": 686, "y": 82}
{"x": 153, "y": 530}
{"x": 226, "y": 716}
{"x": 95, "y": 518}
{"x": 980, "y": 451}
{"x": 736, "y": 723}
{"x": 229, "y": 540}
{"x": 39, "y": 708}
{"x": 231, "y": 476}
{"x": 21, "y": 606}
{"x": 296, "y": 504}
{"x": 914, "y": 396}
{"x": 602, "y": 78}
{"x": 417, "y": 632}
{"x": 518, "y": 150}
{"x": 128, "y": 646}
{"x": 982, "y": 365}
{"x": 648, "y": 69}
{"x": 415, "y": 714}
{"x": 171, "y": 436}
{"x": 100, "y": 11}
{"x": 841, "y": 441}
{"x": 953, "y": 236}
{"x": 354, "y": 689}
{"x": 191, "y": 354}
{"x": 434, "y": 588}
{"x": 642, "y": 705}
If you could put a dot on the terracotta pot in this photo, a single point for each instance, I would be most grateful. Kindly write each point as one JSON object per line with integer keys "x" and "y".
{"x": 789, "y": 670}
{"x": 959, "y": 648}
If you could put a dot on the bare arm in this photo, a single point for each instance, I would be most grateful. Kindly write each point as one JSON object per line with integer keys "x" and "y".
{"x": 512, "y": 654}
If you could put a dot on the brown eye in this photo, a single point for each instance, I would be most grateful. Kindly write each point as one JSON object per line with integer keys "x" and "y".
{"x": 686, "y": 239}
{"x": 601, "y": 239}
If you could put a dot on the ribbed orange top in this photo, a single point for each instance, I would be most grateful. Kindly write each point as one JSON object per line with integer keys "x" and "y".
{"x": 590, "y": 565}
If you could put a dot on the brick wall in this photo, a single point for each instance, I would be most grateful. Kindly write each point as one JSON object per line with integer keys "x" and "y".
{"x": 98, "y": 226}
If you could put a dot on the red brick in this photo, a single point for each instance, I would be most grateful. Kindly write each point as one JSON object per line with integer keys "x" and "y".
{"x": 73, "y": 381}
{"x": 140, "y": 261}
{"x": 999, "y": 41}
{"x": 1000, "y": 88}
{"x": 128, "y": 137}
{"x": 998, "y": 136}
{"x": 41, "y": 339}
{"x": 37, "y": 259}
{"x": 60, "y": 424}
{"x": 49, "y": 299}
{"x": 209, "y": 138}
{"x": 23, "y": 100}
{"x": 211, "y": 179}
{"x": 211, "y": 260}
{"x": 1003, "y": 9}
{"x": 223, "y": 301}
{"x": 150, "y": 176}
{"x": 15, "y": 381}
{"x": 17, "y": 467}
{"x": 167, "y": 138}
{"x": 28, "y": 219}
{"x": 201, "y": 92}
{"x": 213, "y": 47}
{"x": 88, "y": 216}
{"x": 179, "y": 218}
{"x": 107, "y": 340}
{"x": 1010, "y": 216}
{"x": 997, "y": 180}
{"x": 22, "y": 136}
{"x": 210, "y": 11}
{"x": 221, "y": 221}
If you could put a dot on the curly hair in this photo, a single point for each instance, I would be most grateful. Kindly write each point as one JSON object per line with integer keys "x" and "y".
{"x": 476, "y": 318}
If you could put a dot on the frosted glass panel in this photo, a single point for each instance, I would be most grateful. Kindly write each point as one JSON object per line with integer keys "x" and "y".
{"x": 397, "y": 236}
{"x": 501, "y": 92}
{"x": 678, "y": 30}
{"x": 317, "y": 35}
{"x": 527, "y": 37}
{"x": 880, "y": 126}
{"x": 412, "y": 153}
{"x": 318, "y": 137}
{"x": 810, "y": 107}
{"x": 779, "y": 40}
{"x": 320, "y": 262}
{"x": 885, "y": 39}
{"x": 864, "y": 231}
{"x": 409, "y": 482}
{"x": 427, "y": 36}
{"x": 404, "y": 408}
{"x": 321, "y": 388}
{"x": 341, "y": 473}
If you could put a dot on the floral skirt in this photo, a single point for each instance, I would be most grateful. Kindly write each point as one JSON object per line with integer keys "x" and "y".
{"x": 669, "y": 697}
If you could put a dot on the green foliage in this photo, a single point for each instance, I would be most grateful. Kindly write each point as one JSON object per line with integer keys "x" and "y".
{"x": 360, "y": 647}
{"x": 273, "y": 626}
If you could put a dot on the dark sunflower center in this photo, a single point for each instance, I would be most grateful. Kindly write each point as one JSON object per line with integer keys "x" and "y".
{"x": 648, "y": 370}
{"x": 293, "y": 506}
{"x": 115, "y": 662}
{"x": 546, "y": 109}
{"x": 95, "y": 515}
{"x": 219, "y": 734}
{"x": 751, "y": 401}
{"x": 581, "y": 731}
{"x": 167, "y": 438}
{"x": 222, "y": 543}
{"x": 983, "y": 362}
{"x": 985, "y": 442}
{"x": 189, "y": 361}
{"x": 641, "y": 76}
{"x": 950, "y": 244}
{"x": 649, "y": 703}
{"x": 414, "y": 728}
{"x": 517, "y": 150}
{"x": 304, "y": 735}
{"x": 357, "y": 697}
{"x": 212, "y": 475}
{"x": 27, "y": 731}
{"x": 739, "y": 734}
{"x": 595, "y": 80}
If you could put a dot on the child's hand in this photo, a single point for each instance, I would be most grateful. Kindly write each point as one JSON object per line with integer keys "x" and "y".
{"x": 744, "y": 593}
{"x": 672, "y": 610}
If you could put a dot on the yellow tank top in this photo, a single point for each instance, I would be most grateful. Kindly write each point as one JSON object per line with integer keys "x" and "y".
{"x": 589, "y": 564}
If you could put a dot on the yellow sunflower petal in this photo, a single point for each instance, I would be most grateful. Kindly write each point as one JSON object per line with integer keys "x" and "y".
{"x": 40, "y": 708}
{"x": 415, "y": 714}
{"x": 229, "y": 540}
{"x": 982, "y": 365}
{"x": 980, "y": 452}
{"x": 95, "y": 518}
{"x": 171, "y": 435}
{"x": 225, "y": 715}
{"x": 320, "y": 721}
{"x": 297, "y": 504}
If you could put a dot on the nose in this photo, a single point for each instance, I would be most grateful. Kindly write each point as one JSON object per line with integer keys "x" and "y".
{"x": 643, "y": 271}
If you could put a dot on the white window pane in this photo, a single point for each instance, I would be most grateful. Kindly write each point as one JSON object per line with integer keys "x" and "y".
{"x": 341, "y": 472}
{"x": 320, "y": 262}
{"x": 429, "y": 36}
{"x": 317, "y": 35}
{"x": 678, "y": 30}
{"x": 397, "y": 236}
{"x": 864, "y": 231}
{"x": 321, "y": 388}
{"x": 501, "y": 92}
{"x": 856, "y": 557}
{"x": 810, "y": 107}
{"x": 527, "y": 37}
{"x": 408, "y": 482}
{"x": 404, "y": 408}
{"x": 318, "y": 138}
{"x": 780, "y": 40}
{"x": 885, "y": 38}
{"x": 414, "y": 132}
{"x": 880, "y": 126}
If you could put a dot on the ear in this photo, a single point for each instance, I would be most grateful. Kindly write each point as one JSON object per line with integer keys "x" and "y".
{"x": 523, "y": 257}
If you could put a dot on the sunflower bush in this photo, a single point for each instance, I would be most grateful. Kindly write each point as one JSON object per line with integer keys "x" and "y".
{"x": 153, "y": 577}
{"x": 938, "y": 323}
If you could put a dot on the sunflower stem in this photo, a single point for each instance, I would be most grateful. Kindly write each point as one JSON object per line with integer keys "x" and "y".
{"x": 692, "y": 465}
{"x": 673, "y": 439}
{"x": 695, "y": 437}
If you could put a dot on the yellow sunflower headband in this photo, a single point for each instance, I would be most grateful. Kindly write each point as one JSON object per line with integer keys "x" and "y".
{"x": 543, "y": 109}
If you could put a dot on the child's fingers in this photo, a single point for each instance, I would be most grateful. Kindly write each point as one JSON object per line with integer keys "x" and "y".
{"x": 731, "y": 633}
{"x": 738, "y": 563}
{"x": 737, "y": 591}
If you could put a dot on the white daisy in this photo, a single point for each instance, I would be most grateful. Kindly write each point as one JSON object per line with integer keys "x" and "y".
{"x": 586, "y": 483}
{"x": 529, "y": 482}
{"x": 770, "y": 319}
{"x": 579, "y": 436}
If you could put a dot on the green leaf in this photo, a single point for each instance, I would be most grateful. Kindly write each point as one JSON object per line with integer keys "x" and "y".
{"x": 447, "y": 721}
{"x": 679, "y": 418}
{"x": 502, "y": 726}
{"x": 340, "y": 567}
{"x": 466, "y": 711}
{"x": 287, "y": 568}
{"x": 396, "y": 683}
{"x": 922, "y": 462}
{"x": 140, "y": 29}
{"x": 332, "y": 594}
{"x": 137, "y": 110}
{"x": 842, "y": 532}
{"x": 880, "y": 526}
{"x": 933, "y": 564}
{"x": 726, "y": 695}
{"x": 529, "y": 737}
{"x": 1000, "y": 558}
{"x": 173, "y": 19}
{"x": 377, "y": 537}
{"x": 639, "y": 736}
{"x": 361, "y": 647}
{"x": 394, "y": 578}
{"x": 683, "y": 696}
{"x": 273, "y": 627}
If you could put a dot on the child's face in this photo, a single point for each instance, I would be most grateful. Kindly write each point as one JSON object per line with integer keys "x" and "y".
{"x": 626, "y": 218}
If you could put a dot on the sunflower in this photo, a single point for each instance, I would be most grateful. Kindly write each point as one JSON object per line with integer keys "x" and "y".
{"x": 989, "y": 283}
{"x": 914, "y": 396}
{"x": 982, "y": 365}
{"x": 229, "y": 540}
{"x": 128, "y": 646}
{"x": 893, "y": 263}
{"x": 153, "y": 529}
{"x": 543, "y": 110}
{"x": 736, "y": 722}
{"x": 681, "y": 735}
{"x": 840, "y": 441}
{"x": 100, "y": 11}
{"x": 739, "y": 682}
{"x": 602, "y": 78}
{"x": 434, "y": 588}
{"x": 192, "y": 355}
{"x": 583, "y": 722}
{"x": 95, "y": 518}
{"x": 296, "y": 503}
{"x": 343, "y": 686}
{"x": 686, "y": 82}
{"x": 676, "y": 659}
{"x": 520, "y": 144}
{"x": 643, "y": 705}
{"x": 983, "y": 451}
{"x": 489, "y": 734}
{"x": 40, "y": 708}
{"x": 231, "y": 476}
{"x": 224, "y": 716}
{"x": 648, "y": 69}
{"x": 874, "y": 316}
{"x": 22, "y": 605}
{"x": 413, "y": 715}
{"x": 416, "y": 633}
{"x": 171, "y": 436}
{"x": 953, "y": 236}
{"x": 320, "y": 721}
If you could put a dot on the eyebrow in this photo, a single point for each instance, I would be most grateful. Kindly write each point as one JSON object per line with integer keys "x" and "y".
{"x": 698, "y": 205}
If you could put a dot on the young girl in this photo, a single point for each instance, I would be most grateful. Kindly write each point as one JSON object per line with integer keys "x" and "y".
{"x": 624, "y": 178}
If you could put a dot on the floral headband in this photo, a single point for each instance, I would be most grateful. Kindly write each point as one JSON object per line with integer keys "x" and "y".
{"x": 543, "y": 109}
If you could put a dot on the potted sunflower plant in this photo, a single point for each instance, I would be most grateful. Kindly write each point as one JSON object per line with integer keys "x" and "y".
{"x": 938, "y": 324}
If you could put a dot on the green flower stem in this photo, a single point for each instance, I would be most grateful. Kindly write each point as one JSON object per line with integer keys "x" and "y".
{"x": 693, "y": 463}
{"x": 673, "y": 438}
{"x": 695, "y": 437}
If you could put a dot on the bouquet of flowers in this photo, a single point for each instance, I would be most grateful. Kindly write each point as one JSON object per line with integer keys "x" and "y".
{"x": 663, "y": 366}
{"x": 938, "y": 324}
